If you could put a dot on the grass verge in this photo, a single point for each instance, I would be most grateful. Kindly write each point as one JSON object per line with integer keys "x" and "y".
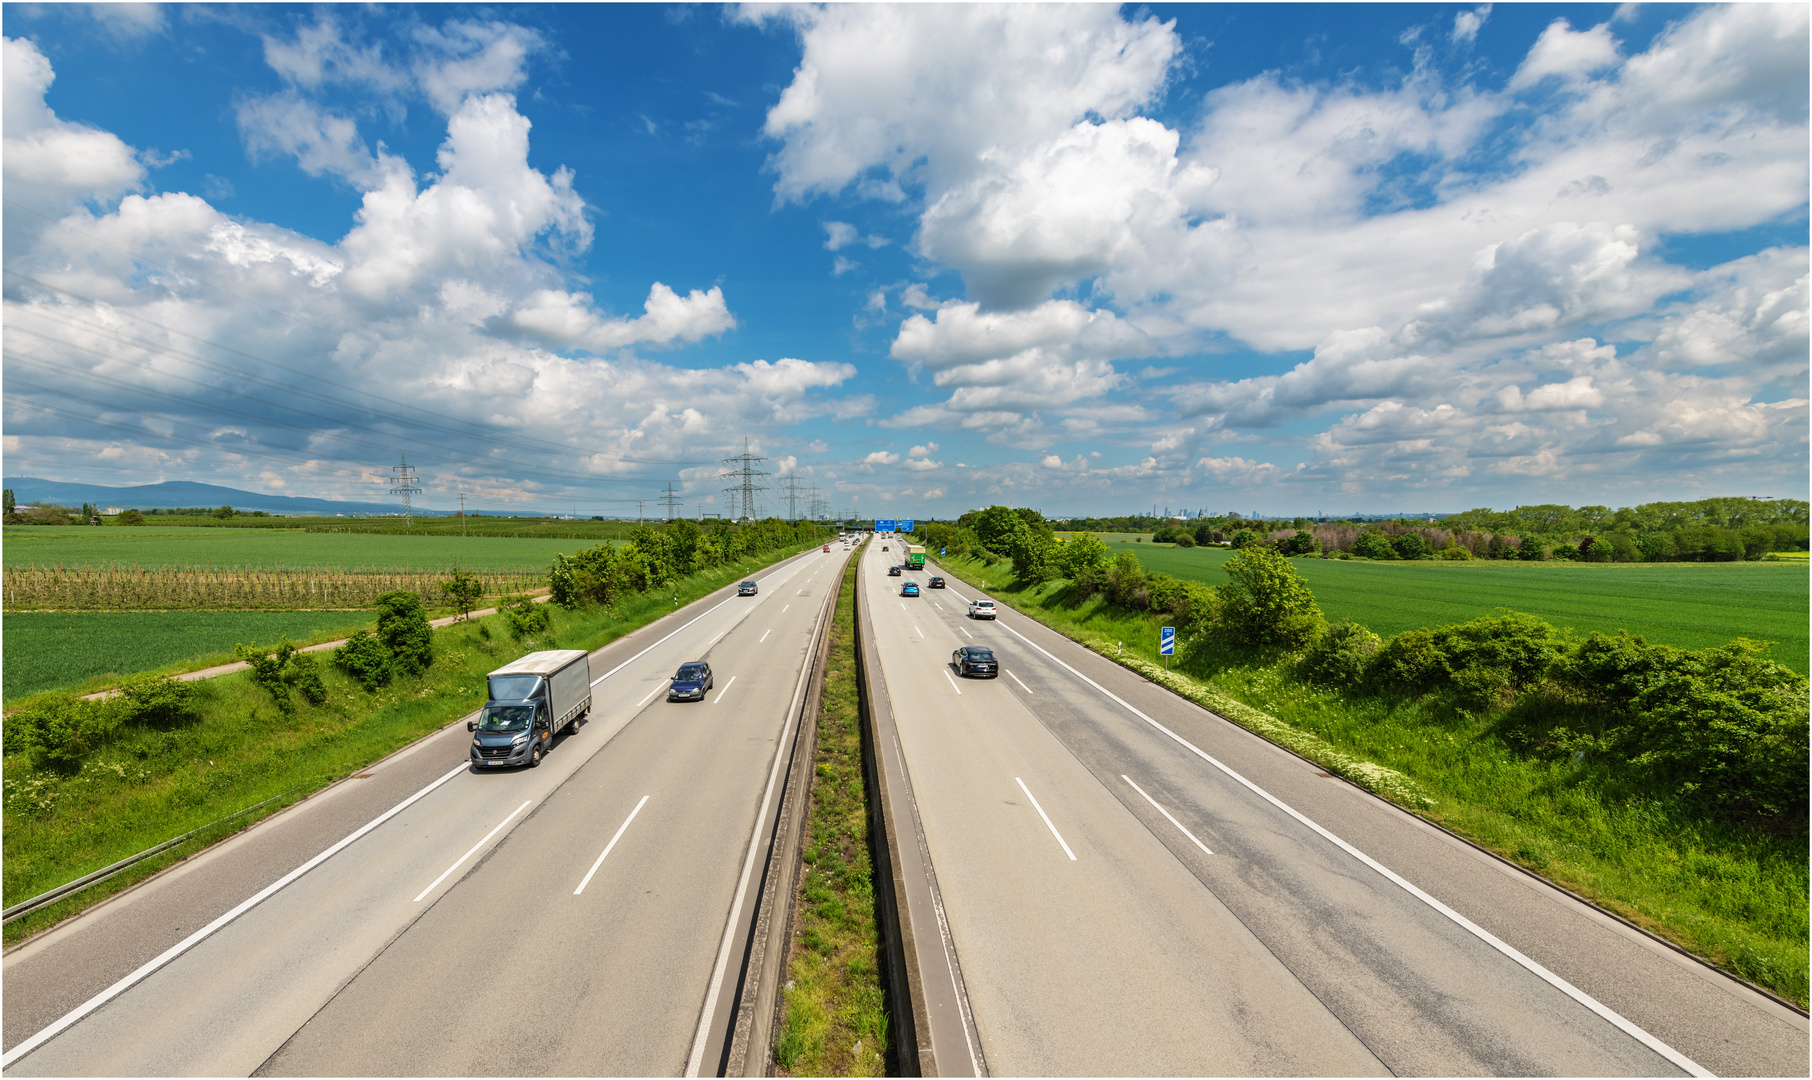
{"x": 1735, "y": 897}
{"x": 151, "y": 785}
{"x": 834, "y": 1020}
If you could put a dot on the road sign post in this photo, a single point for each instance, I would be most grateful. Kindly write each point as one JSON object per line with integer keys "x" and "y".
{"x": 1167, "y": 642}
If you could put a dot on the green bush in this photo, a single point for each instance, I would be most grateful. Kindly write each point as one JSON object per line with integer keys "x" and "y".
{"x": 304, "y": 673}
{"x": 1497, "y": 657}
{"x": 1410, "y": 663}
{"x": 527, "y": 618}
{"x": 267, "y": 672}
{"x": 403, "y": 627}
{"x": 1341, "y": 656}
{"x": 1453, "y": 552}
{"x": 155, "y": 701}
{"x": 1410, "y": 545}
{"x": 366, "y": 659}
{"x": 1267, "y": 602}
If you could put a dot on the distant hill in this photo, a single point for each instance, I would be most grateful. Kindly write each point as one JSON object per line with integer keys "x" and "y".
{"x": 175, "y": 493}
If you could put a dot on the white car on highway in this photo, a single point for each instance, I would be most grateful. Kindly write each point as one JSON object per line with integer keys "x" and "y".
{"x": 981, "y": 609}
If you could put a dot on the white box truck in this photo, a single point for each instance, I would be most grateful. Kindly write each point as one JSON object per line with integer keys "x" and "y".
{"x": 528, "y": 700}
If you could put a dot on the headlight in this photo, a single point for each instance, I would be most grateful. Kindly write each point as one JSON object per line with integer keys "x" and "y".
{"x": 519, "y": 740}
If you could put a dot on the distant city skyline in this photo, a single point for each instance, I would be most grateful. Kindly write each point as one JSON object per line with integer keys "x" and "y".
{"x": 921, "y": 257}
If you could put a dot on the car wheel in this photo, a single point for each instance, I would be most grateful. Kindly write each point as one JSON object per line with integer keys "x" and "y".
{"x": 534, "y": 755}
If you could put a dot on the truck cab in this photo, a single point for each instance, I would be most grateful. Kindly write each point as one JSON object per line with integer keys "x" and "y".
{"x": 529, "y": 700}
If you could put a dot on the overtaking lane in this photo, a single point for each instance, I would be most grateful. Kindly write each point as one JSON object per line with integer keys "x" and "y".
{"x": 1386, "y": 963}
{"x": 230, "y": 1001}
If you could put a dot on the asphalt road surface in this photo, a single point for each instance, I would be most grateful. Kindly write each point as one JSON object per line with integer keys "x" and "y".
{"x": 1135, "y": 886}
{"x": 569, "y": 919}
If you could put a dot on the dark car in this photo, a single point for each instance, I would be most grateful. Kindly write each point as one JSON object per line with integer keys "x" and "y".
{"x": 883, "y": 547}
{"x": 975, "y": 660}
{"x": 893, "y": 571}
{"x": 911, "y": 588}
{"x": 747, "y": 588}
{"x": 935, "y": 583}
{"x": 691, "y": 681}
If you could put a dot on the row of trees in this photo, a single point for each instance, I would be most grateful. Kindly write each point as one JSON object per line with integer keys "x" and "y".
{"x": 1721, "y": 730}
{"x": 658, "y": 554}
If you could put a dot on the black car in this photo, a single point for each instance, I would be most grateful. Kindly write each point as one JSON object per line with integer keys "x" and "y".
{"x": 935, "y": 583}
{"x": 975, "y": 660}
{"x": 747, "y": 588}
{"x": 691, "y": 682}
{"x": 893, "y": 571}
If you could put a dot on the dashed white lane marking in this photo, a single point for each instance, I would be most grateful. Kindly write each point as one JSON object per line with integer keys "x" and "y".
{"x": 474, "y": 851}
{"x": 1046, "y": 817}
{"x": 725, "y": 690}
{"x": 1166, "y": 813}
{"x": 1608, "y": 1014}
{"x": 784, "y": 609}
{"x": 764, "y": 635}
{"x": 921, "y": 632}
{"x": 966, "y": 632}
{"x": 1022, "y": 685}
{"x": 651, "y": 693}
{"x": 613, "y": 843}
{"x": 953, "y": 686}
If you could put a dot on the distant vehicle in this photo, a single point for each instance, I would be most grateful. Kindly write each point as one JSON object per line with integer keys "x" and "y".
{"x": 911, "y": 588}
{"x": 981, "y": 609}
{"x": 975, "y": 660}
{"x": 691, "y": 681}
{"x": 747, "y": 588}
{"x": 883, "y": 547}
{"x": 935, "y": 583}
{"x": 915, "y": 557}
{"x": 529, "y": 700}
{"x": 893, "y": 571}
{"x": 827, "y": 549}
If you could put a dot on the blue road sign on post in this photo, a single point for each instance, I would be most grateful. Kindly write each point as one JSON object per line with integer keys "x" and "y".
{"x": 1167, "y": 641}
{"x": 884, "y": 526}
{"x": 906, "y": 526}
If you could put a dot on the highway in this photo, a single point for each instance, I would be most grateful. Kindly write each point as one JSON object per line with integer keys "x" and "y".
{"x": 1133, "y": 886}
{"x": 584, "y": 917}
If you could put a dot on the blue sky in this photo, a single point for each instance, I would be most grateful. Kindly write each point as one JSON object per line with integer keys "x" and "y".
{"x": 1292, "y": 258}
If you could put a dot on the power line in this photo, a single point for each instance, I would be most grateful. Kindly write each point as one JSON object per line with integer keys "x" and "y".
{"x": 742, "y": 469}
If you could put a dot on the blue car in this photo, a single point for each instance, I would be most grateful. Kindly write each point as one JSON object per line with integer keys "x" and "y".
{"x": 911, "y": 588}
{"x": 691, "y": 682}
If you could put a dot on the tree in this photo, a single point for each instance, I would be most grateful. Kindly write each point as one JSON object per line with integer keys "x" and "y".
{"x": 1268, "y": 602}
{"x": 130, "y": 517}
{"x": 223, "y": 512}
{"x": 7, "y": 502}
{"x": 1243, "y": 539}
{"x": 463, "y": 589}
{"x": 1372, "y": 544}
{"x": 403, "y": 628}
{"x": 1302, "y": 542}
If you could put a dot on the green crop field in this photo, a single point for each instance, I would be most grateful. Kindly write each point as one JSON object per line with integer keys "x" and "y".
{"x": 1689, "y": 605}
{"x": 154, "y": 546}
{"x": 64, "y": 650}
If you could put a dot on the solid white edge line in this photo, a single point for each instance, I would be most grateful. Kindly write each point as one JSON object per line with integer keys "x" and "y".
{"x": 1022, "y": 685}
{"x": 474, "y": 851}
{"x": 1046, "y": 817}
{"x": 696, "y": 1058}
{"x": 198, "y": 936}
{"x": 1166, "y": 813}
{"x": 725, "y": 690}
{"x": 613, "y": 843}
{"x": 953, "y": 686}
{"x": 1612, "y": 1017}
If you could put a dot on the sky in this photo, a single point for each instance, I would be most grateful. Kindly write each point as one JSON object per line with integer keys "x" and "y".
{"x": 1286, "y": 259}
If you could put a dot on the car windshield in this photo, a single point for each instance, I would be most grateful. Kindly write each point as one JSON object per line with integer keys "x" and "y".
{"x": 513, "y": 687}
{"x": 975, "y": 652}
{"x": 690, "y": 673}
{"x": 507, "y": 718}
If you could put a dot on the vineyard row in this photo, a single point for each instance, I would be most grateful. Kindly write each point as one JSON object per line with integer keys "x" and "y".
{"x": 35, "y": 588}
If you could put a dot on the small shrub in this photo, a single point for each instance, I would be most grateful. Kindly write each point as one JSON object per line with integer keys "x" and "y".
{"x": 463, "y": 590}
{"x": 1341, "y": 656}
{"x": 155, "y": 701}
{"x": 1267, "y": 602}
{"x": 129, "y": 517}
{"x": 267, "y": 672}
{"x": 528, "y": 619}
{"x": 305, "y": 675}
{"x": 1410, "y": 663}
{"x": 365, "y": 658}
{"x": 59, "y": 730}
{"x": 1453, "y": 552}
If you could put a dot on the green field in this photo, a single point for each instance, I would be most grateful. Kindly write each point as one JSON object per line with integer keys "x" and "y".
{"x": 54, "y": 650}
{"x": 507, "y": 527}
{"x": 1689, "y": 605}
{"x": 157, "y": 546}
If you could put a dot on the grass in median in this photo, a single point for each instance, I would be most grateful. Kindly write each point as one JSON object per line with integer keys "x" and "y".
{"x": 1736, "y": 897}
{"x": 834, "y": 1021}
{"x": 150, "y": 785}
{"x": 70, "y": 650}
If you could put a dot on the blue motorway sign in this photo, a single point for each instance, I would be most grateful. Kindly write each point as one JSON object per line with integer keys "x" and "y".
{"x": 906, "y": 526}
{"x": 884, "y": 526}
{"x": 1167, "y": 641}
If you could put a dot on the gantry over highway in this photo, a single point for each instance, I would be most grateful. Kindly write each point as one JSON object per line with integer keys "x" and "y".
{"x": 589, "y": 916}
{"x": 1101, "y": 878}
